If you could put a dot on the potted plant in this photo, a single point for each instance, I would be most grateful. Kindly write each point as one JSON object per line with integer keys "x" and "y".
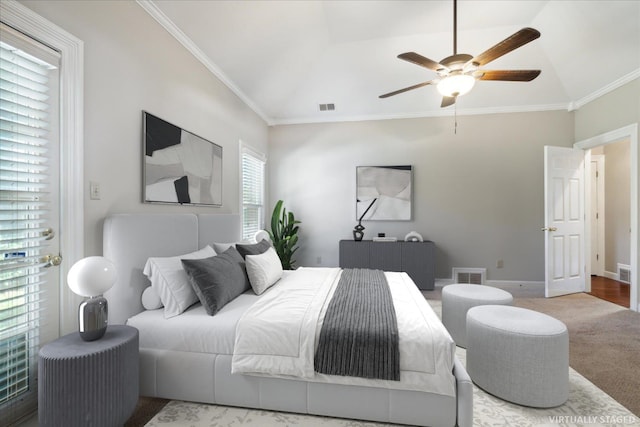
{"x": 284, "y": 234}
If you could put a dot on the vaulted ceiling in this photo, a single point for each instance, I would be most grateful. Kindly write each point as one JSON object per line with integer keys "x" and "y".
{"x": 284, "y": 58}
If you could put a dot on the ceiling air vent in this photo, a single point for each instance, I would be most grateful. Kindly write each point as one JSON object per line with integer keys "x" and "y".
{"x": 474, "y": 276}
{"x": 624, "y": 273}
{"x": 327, "y": 107}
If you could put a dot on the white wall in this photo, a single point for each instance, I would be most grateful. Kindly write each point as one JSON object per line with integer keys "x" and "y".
{"x": 477, "y": 194}
{"x": 133, "y": 64}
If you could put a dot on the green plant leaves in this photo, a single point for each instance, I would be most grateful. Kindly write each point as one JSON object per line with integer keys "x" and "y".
{"x": 284, "y": 234}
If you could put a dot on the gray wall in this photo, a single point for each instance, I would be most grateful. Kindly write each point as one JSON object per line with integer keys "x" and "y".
{"x": 478, "y": 194}
{"x": 617, "y": 205}
{"x": 132, "y": 64}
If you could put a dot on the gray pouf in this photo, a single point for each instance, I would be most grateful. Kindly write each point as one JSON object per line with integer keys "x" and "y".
{"x": 459, "y": 298}
{"x": 518, "y": 355}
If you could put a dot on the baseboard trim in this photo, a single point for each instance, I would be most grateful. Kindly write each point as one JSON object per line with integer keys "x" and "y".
{"x": 611, "y": 275}
{"x": 502, "y": 283}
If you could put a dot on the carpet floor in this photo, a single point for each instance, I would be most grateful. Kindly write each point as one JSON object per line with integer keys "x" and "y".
{"x": 604, "y": 351}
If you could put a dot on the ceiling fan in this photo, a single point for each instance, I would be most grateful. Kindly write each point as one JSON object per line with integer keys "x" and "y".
{"x": 459, "y": 72}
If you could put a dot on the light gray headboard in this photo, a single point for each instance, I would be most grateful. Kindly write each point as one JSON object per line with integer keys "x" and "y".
{"x": 129, "y": 239}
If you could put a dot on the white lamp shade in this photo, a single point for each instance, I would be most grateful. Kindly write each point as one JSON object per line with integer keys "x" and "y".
{"x": 91, "y": 276}
{"x": 456, "y": 85}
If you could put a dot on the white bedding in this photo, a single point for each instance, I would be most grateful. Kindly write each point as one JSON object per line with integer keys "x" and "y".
{"x": 276, "y": 336}
{"x": 194, "y": 330}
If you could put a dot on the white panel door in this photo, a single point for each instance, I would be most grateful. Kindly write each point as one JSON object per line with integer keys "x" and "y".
{"x": 564, "y": 221}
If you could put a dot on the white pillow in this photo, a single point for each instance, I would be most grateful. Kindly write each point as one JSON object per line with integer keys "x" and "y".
{"x": 263, "y": 270}
{"x": 171, "y": 282}
{"x": 151, "y": 299}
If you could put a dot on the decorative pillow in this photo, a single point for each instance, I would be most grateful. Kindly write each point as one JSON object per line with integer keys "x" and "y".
{"x": 217, "y": 280}
{"x": 221, "y": 247}
{"x": 264, "y": 270}
{"x": 253, "y": 249}
{"x": 151, "y": 299}
{"x": 171, "y": 282}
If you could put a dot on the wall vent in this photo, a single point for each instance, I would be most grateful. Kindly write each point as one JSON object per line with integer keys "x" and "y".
{"x": 475, "y": 276}
{"x": 327, "y": 107}
{"x": 624, "y": 273}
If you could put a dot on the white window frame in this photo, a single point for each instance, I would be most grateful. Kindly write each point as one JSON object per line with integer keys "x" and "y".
{"x": 71, "y": 49}
{"x": 246, "y": 149}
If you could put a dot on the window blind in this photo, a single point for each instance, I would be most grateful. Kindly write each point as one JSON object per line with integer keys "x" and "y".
{"x": 26, "y": 83}
{"x": 252, "y": 193}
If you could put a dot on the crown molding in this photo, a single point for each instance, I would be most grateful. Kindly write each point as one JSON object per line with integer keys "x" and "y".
{"x": 152, "y": 9}
{"x": 605, "y": 89}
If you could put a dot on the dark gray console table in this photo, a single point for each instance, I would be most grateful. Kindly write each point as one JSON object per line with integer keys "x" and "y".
{"x": 415, "y": 258}
{"x": 89, "y": 383}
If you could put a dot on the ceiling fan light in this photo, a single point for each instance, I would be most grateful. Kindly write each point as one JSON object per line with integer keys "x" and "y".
{"x": 456, "y": 85}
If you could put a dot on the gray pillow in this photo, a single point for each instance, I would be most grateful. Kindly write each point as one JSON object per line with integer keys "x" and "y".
{"x": 253, "y": 249}
{"x": 217, "y": 280}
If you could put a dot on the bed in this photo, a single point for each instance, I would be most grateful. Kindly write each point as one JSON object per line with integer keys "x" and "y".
{"x": 189, "y": 356}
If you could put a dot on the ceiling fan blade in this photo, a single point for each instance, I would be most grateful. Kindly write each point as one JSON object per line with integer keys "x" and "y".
{"x": 512, "y": 42}
{"x": 421, "y": 61}
{"x": 507, "y": 75}
{"x": 447, "y": 100}
{"x": 395, "y": 92}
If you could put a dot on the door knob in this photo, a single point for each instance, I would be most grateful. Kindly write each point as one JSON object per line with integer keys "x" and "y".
{"x": 51, "y": 260}
{"x": 549, "y": 229}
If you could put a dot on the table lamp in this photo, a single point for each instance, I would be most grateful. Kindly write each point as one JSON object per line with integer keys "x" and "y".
{"x": 91, "y": 277}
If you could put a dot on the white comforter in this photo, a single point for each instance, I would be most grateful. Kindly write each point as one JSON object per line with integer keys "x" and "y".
{"x": 277, "y": 335}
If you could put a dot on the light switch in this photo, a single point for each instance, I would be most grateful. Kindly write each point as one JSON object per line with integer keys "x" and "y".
{"x": 94, "y": 191}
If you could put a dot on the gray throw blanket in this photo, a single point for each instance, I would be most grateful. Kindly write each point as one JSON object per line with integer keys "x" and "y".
{"x": 359, "y": 336}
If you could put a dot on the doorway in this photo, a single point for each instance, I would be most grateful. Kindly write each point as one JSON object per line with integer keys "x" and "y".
{"x": 629, "y": 133}
{"x": 610, "y": 221}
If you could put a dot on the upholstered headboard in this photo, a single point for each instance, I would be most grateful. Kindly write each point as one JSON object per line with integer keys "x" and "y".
{"x": 129, "y": 239}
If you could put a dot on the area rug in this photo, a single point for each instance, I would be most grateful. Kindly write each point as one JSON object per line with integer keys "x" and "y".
{"x": 587, "y": 406}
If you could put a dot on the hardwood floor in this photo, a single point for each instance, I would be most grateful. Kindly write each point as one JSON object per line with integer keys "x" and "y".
{"x": 610, "y": 290}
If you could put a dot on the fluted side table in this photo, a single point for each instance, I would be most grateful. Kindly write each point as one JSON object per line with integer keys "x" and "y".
{"x": 89, "y": 383}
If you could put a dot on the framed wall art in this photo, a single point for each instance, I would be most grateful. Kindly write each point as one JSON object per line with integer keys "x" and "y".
{"x": 179, "y": 166}
{"x": 384, "y": 193}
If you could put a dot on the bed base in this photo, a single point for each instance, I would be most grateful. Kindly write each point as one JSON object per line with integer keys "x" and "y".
{"x": 207, "y": 378}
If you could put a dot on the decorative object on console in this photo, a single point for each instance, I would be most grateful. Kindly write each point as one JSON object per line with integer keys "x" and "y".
{"x": 284, "y": 234}
{"x": 179, "y": 166}
{"x": 390, "y": 185}
{"x": 358, "y": 230}
{"x": 91, "y": 277}
{"x": 413, "y": 236}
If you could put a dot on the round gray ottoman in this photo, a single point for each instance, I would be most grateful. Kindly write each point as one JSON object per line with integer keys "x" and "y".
{"x": 459, "y": 298}
{"x": 518, "y": 355}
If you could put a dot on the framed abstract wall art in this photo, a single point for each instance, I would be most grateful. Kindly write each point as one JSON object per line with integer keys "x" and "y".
{"x": 384, "y": 193}
{"x": 179, "y": 166}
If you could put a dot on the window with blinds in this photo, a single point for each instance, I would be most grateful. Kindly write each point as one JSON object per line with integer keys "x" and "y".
{"x": 253, "y": 166}
{"x": 27, "y": 109}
